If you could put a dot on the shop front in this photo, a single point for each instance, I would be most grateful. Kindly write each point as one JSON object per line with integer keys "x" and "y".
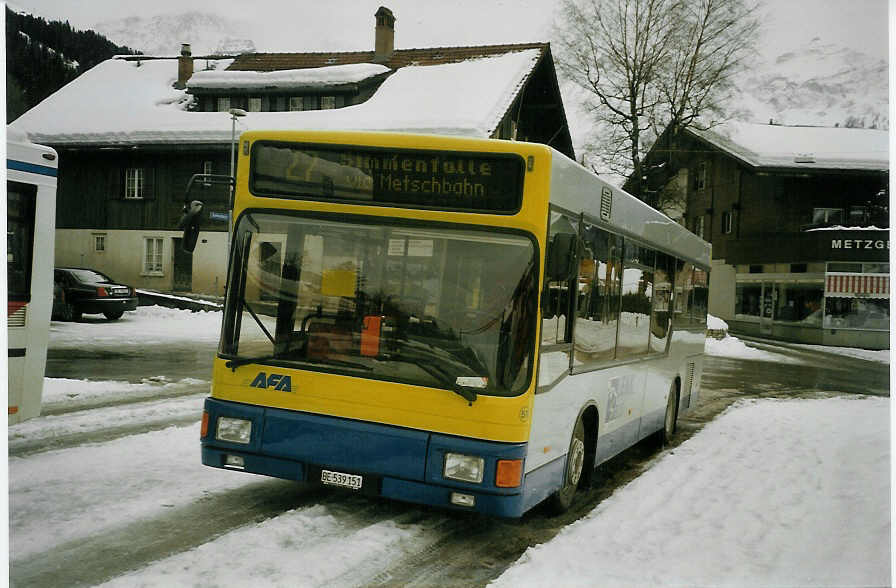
{"x": 792, "y": 295}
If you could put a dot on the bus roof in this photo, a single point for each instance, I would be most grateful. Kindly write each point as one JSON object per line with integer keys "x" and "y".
{"x": 577, "y": 189}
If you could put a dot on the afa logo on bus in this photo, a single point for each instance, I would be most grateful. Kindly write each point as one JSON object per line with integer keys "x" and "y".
{"x": 275, "y": 381}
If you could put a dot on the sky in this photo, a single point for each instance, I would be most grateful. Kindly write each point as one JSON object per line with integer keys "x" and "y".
{"x": 302, "y": 25}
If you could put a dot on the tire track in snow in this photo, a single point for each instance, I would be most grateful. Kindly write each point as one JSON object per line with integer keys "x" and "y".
{"x": 96, "y": 425}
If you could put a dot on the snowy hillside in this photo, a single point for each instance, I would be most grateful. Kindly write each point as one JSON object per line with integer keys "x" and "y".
{"x": 820, "y": 84}
{"x": 164, "y": 34}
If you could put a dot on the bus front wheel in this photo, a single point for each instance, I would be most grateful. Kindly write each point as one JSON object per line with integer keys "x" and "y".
{"x": 572, "y": 474}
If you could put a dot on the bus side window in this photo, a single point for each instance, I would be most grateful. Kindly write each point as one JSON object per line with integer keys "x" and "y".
{"x": 557, "y": 302}
{"x": 637, "y": 300}
{"x": 599, "y": 290}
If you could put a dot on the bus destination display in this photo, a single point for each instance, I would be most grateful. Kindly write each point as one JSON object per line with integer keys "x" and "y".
{"x": 389, "y": 177}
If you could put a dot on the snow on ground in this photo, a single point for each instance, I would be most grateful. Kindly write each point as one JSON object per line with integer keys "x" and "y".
{"x": 155, "y": 324}
{"x": 45, "y": 429}
{"x": 881, "y": 356}
{"x": 303, "y": 547}
{"x": 734, "y": 347}
{"x": 68, "y": 393}
{"x": 58, "y": 496}
{"x": 771, "y": 493}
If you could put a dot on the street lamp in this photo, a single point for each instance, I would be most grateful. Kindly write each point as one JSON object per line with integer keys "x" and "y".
{"x": 234, "y": 114}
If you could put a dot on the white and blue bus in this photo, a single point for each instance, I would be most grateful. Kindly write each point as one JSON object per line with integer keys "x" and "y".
{"x": 468, "y": 323}
{"x": 30, "y": 234}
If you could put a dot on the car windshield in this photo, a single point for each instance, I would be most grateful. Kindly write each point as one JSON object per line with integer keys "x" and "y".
{"x": 433, "y": 306}
{"x": 90, "y": 276}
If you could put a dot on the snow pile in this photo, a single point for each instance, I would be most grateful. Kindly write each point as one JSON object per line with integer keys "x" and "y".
{"x": 735, "y": 348}
{"x": 123, "y": 102}
{"x": 762, "y": 496}
{"x": 763, "y": 145}
{"x": 290, "y": 78}
{"x": 714, "y": 323}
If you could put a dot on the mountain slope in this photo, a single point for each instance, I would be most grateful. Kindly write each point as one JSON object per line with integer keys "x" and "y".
{"x": 42, "y": 56}
{"x": 163, "y": 35}
{"x": 820, "y": 84}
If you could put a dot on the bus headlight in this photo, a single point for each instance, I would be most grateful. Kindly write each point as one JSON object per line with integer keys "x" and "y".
{"x": 233, "y": 430}
{"x": 466, "y": 468}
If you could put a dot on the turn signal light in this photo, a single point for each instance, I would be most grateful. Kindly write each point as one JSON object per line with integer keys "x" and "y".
{"x": 203, "y": 431}
{"x": 509, "y": 473}
{"x": 100, "y": 291}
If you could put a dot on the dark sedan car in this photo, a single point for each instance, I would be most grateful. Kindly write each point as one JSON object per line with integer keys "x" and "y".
{"x": 78, "y": 291}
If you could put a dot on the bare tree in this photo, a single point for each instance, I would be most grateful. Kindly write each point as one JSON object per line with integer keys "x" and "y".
{"x": 652, "y": 65}
{"x": 614, "y": 50}
{"x": 712, "y": 41}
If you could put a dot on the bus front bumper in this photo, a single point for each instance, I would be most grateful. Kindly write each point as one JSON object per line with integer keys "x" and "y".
{"x": 387, "y": 461}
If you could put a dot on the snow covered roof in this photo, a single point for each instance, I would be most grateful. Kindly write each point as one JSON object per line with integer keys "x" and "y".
{"x": 133, "y": 102}
{"x": 762, "y": 145}
{"x": 290, "y": 78}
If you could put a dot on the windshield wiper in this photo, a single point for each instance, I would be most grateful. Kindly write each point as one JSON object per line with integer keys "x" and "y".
{"x": 426, "y": 364}
{"x": 240, "y": 361}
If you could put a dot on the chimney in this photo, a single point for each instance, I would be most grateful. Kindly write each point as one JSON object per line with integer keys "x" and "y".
{"x": 184, "y": 66}
{"x": 385, "y": 35}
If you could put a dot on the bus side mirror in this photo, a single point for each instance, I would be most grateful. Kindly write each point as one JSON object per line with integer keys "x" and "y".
{"x": 190, "y": 223}
{"x": 561, "y": 261}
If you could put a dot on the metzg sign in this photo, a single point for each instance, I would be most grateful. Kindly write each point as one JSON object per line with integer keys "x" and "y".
{"x": 863, "y": 244}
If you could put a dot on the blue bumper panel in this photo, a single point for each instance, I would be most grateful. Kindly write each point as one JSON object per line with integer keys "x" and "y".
{"x": 403, "y": 464}
{"x": 345, "y": 445}
{"x": 257, "y": 464}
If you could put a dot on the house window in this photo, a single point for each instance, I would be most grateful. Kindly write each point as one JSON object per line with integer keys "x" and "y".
{"x": 858, "y": 216}
{"x": 152, "y": 256}
{"x": 756, "y": 269}
{"x": 134, "y": 182}
{"x": 296, "y": 103}
{"x": 798, "y": 268}
{"x": 701, "y": 175}
{"x": 827, "y": 216}
{"x": 255, "y": 104}
{"x": 327, "y": 102}
{"x": 99, "y": 243}
{"x": 223, "y": 103}
{"x": 727, "y": 222}
{"x": 698, "y": 226}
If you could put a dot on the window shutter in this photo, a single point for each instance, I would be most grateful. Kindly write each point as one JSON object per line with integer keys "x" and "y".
{"x": 116, "y": 182}
{"x": 149, "y": 184}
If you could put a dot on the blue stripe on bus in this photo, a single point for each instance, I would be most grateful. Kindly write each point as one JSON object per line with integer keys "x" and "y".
{"x": 33, "y": 168}
{"x": 407, "y": 463}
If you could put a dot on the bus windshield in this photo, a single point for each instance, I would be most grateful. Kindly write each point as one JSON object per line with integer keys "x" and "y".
{"x": 431, "y": 305}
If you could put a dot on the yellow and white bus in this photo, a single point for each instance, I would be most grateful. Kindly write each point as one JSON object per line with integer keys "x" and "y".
{"x": 467, "y": 323}
{"x": 30, "y": 229}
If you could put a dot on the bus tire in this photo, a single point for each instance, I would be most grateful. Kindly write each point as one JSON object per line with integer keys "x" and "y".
{"x": 670, "y": 420}
{"x": 562, "y": 499}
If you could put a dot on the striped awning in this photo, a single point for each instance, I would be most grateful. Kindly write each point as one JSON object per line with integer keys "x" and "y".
{"x": 857, "y": 286}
